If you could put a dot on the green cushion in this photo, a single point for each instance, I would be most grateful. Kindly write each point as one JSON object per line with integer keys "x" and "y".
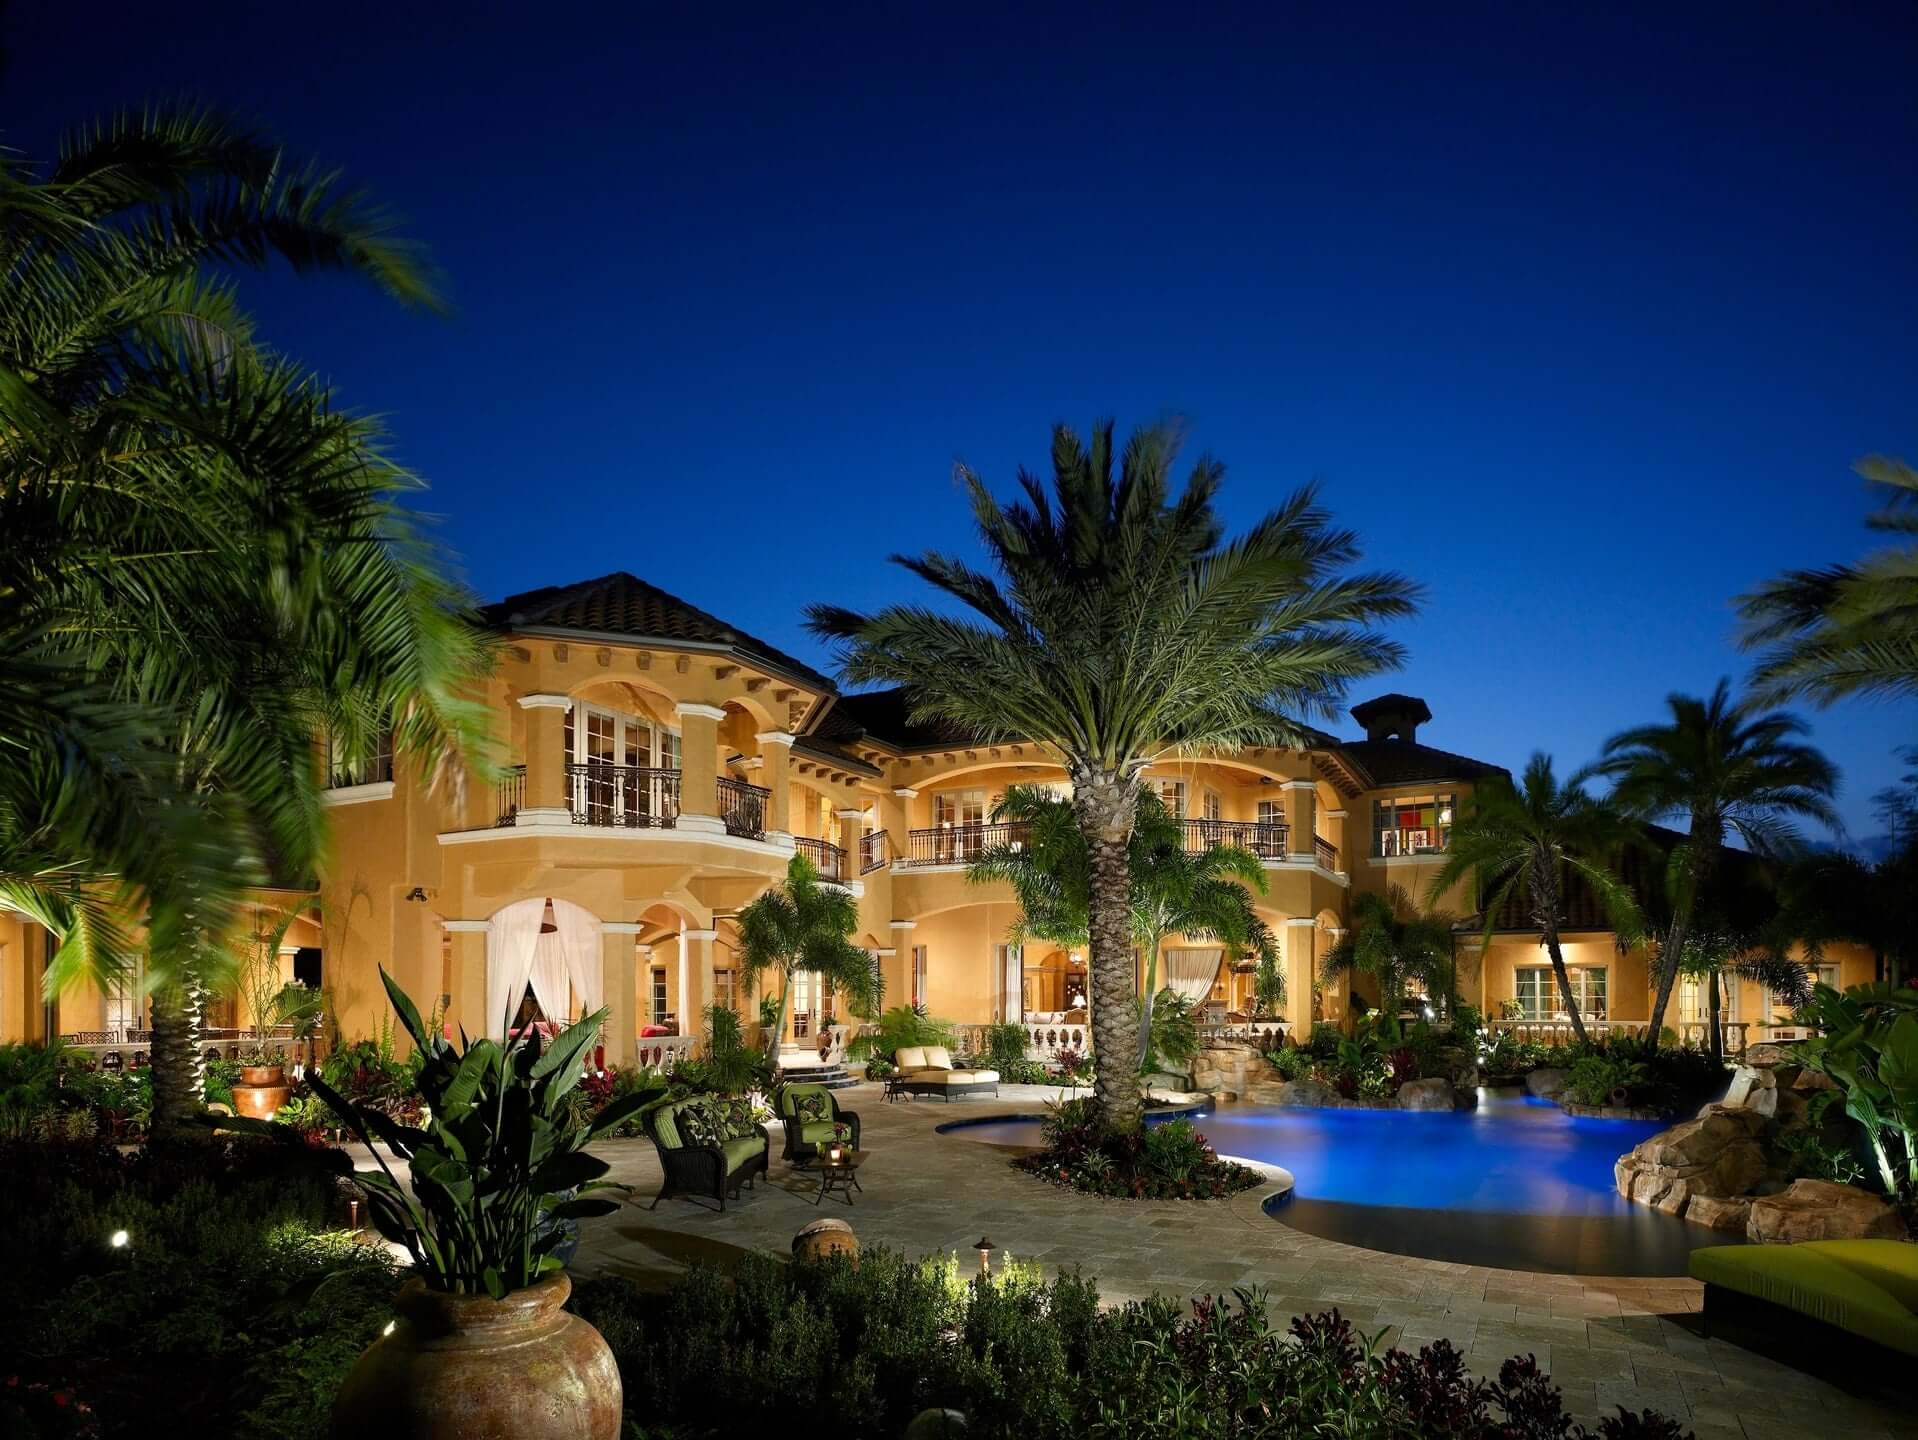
{"x": 738, "y": 1152}
{"x": 1798, "y": 1278}
{"x": 1891, "y": 1265}
{"x": 819, "y": 1132}
{"x": 665, "y": 1128}
{"x": 807, "y": 1102}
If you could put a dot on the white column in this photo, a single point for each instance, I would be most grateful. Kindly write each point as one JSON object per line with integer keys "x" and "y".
{"x": 695, "y": 978}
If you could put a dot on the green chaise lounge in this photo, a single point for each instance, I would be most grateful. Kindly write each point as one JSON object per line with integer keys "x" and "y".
{"x": 805, "y": 1133}
{"x": 697, "y": 1154}
{"x": 1849, "y": 1290}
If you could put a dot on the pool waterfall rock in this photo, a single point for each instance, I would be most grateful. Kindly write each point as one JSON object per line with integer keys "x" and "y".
{"x": 1233, "y": 1070}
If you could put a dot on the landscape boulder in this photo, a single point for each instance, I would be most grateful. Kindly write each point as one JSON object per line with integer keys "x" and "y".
{"x": 1821, "y": 1210}
{"x": 1433, "y": 1093}
{"x": 1730, "y": 1213}
{"x": 1766, "y": 1056}
{"x": 1302, "y": 1093}
{"x": 1546, "y": 1082}
{"x": 1753, "y": 1087}
{"x": 1716, "y": 1156}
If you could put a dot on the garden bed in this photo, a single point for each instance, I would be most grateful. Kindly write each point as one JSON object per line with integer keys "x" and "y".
{"x": 1169, "y": 1160}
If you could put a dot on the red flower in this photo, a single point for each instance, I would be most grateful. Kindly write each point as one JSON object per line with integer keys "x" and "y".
{"x": 60, "y": 1398}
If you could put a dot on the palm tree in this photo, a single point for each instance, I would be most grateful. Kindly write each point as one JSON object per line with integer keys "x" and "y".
{"x": 206, "y": 564}
{"x": 1394, "y": 941}
{"x": 1201, "y": 894}
{"x": 1845, "y": 629}
{"x": 804, "y": 925}
{"x": 1123, "y": 627}
{"x": 1528, "y": 844}
{"x": 1730, "y": 769}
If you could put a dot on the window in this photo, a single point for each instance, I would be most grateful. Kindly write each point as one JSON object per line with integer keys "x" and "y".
{"x": 1412, "y": 825}
{"x": 344, "y": 767}
{"x": 596, "y": 737}
{"x": 1537, "y": 992}
{"x": 959, "y": 807}
{"x": 1822, "y": 975}
{"x": 918, "y": 974}
{"x": 1695, "y": 1003}
{"x": 659, "y": 995}
{"x": 1211, "y": 807}
{"x": 1171, "y": 794}
{"x": 725, "y": 990}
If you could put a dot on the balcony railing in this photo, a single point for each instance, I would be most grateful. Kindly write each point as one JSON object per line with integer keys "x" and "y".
{"x": 622, "y": 796}
{"x": 872, "y": 851}
{"x": 512, "y": 794}
{"x": 827, "y": 858}
{"x": 1419, "y": 840}
{"x": 742, "y": 807}
{"x": 1264, "y": 838}
{"x": 1326, "y": 853}
{"x": 958, "y": 844}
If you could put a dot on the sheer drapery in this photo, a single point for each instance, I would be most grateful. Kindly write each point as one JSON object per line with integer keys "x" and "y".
{"x": 582, "y": 958}
{"x": 1192, "y": 973}
{"x": 512, "y": 938}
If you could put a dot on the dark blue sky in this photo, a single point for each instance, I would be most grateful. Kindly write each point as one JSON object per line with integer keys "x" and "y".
{"x": 1581, "y": 322}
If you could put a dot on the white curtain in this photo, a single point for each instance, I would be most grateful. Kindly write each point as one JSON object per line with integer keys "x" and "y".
{"x": 1191, "y": 973}
{"x": 512, "y": 936}
{"x": 582, "y": 959}
{"x": 549, "y": 978}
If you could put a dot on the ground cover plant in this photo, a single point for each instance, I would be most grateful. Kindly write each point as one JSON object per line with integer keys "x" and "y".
{"x": 1022, "y": 1355}
{"x": 1166, "y": 1161}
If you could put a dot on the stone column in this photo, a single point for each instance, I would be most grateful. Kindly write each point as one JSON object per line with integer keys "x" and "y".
{"x": 699, "y": 768}
{"x": 775, "y": 773}
{"x": 619, "y": 975}
{"x": 547, "y": 800}
{"x": 1301, "y": 818}
{"x": 695, "y": 979}
{"x": 1300, "y": 968}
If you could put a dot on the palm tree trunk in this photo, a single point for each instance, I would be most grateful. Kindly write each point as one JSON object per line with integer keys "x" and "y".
{"x": 1557, "y": 953}
{"x": 1668, "y": 954}
{"x": 1145, "y": 1006}
{"x": 179, "y": 1063}
{"x": 777, "y": 1035}
{"x": 1104, "y": 809}
{"x": 1717, "y": 1036}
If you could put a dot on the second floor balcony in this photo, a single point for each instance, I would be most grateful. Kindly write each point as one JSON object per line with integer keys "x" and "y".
{"x": 827, "y": 858}
{"x": 635, "y": 797}
{"x": 963, "y": 844}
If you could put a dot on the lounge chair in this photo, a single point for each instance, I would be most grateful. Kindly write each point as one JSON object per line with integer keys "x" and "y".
{"x": 928, "y": 1070}
{"x": 805, "y": 1136}
{"x": 703, "y": 1167}
{"x": 1831, "y": 1293}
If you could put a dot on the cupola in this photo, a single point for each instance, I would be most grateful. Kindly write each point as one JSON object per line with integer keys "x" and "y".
{"x": 1392, "y": 717}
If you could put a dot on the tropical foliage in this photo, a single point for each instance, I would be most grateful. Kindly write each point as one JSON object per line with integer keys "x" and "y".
{"x": 1121, "y": 626}
{"x": 1728, "y": 769}
{"x": 1845, "y": 629}
{"x": 1525, "y": 845}
{"x": 206, "y": 562}
{"x": 1868, "y": 1044}
{"x": 804, "y": 925}
{"x": 1393, "y": 941}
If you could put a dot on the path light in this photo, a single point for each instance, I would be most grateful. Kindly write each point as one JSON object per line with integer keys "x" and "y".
{"x": 985, "y": 1248}
{"x": 118, "y": 1239}
{"x": 353, "y": 1214}
{"x": 387, "y": 1329}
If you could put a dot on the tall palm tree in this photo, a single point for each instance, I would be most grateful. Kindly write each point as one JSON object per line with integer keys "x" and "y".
{"x": 1529, "y": 844}
{"x": 804, "y": 925}
{"x": 1730, "y": 769}
{"x": 1202, "y": 894}
{"x": 1394, "y": 941}
{"x": 206, "y": 563}
{"x": 1845, "y": 629}
{"x": 1122, "y": 626}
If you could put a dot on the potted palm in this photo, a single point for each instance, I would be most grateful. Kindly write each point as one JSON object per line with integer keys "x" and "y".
{"x": 278, "y": 1010}
{"x": 483, "y": 1344}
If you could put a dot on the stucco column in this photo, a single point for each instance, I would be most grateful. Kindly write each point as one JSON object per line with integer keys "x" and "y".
{"x": 620, "y": 978}
{"x": 695, "y": 979}
{"x": 895, "y": 818}
{"x": 852, "y": 827}
{"x": 467, "y": 1009}
{"x": 775, "y": 773}
{"x": 1300, "y": 967}
{"x": 699, "y": 768}
{"x": 1301, "y": 818}
{"x": 1336, "y": 832}
{"x": 546, "y": 789}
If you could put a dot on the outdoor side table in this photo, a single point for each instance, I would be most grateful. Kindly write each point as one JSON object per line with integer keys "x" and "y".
{"x": 842, "y": 1176}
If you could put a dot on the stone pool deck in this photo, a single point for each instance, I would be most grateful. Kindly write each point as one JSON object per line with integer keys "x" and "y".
{"x": 1606, "y": 1342}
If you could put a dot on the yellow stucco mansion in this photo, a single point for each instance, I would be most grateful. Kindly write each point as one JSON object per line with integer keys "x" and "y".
{"x": 666, "y": 767}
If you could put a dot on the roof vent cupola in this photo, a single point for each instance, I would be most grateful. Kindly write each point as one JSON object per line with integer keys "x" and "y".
{"x": 1392, "y": 717}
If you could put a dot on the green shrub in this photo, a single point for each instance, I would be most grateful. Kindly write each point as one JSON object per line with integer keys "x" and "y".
{"x": 901, "y": 1027}
{"x": 1291, "y": 1062}
{"x": 1325, "y": 1041}
{"x": 1174, "y": 1041}
{"x": 1593, "y": 1079}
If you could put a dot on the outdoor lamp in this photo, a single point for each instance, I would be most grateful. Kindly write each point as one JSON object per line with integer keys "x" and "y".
{"x": 118, "y": 1239}
{"x": 985, "y": 1248}
{"x": 834, "y": 1154}
{"x": 353, "y": 1214}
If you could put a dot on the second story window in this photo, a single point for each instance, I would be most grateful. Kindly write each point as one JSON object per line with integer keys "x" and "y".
{"x": 959, "y": 807}
{"x": 1412, "y": 824}
{"x": 346, "y": 766}
{"x": 1213, "y": 807}
{"x": 1171, "y": 794}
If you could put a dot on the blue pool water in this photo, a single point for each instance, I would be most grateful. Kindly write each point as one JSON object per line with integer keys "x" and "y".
{"x": 1516, "y": 1182}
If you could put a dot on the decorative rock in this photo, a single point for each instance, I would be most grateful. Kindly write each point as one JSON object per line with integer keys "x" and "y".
{"x": 1546, "y": 1082}
{"x": 1813, "y": 1080}
{"x": 1716, "y": 1156}
{"x": 823, "y": 1239}
{"x": 1753, "y": 1088}
{"x": 1434, "y": 1093}
{"x": 1302, "y": 1093}
{"x": 1765, "y": 1056}
{"x": 1729, "y": 1213}
{"x": 1821, "y": 1210}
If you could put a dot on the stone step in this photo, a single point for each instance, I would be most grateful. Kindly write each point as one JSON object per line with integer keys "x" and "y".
{"x": 833, "y": 1077}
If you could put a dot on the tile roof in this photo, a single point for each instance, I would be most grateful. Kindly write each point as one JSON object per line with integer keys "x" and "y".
{"x": 881, "y": 715}
{"x": 1403, "y": 762}
{"x": 624, "y": 607}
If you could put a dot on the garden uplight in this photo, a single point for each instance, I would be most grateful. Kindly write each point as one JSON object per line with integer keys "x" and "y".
{"x": 388, "y": 1328}
{"x": 118, "y": 1239}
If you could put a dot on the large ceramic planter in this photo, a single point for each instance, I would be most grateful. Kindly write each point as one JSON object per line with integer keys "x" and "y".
{"x": 472, "y": 1367}
{"x": 261, "y": 1090}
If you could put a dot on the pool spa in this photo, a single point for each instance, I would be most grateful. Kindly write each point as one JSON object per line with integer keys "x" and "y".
{"x": 1516, "y": 1183}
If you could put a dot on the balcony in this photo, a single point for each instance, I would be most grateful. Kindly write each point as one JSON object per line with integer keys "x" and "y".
{"x": 1264, "y": 838}
{"x": 873, "y": 851}
{"x": 742, "y": 806}
{"x": 963, "y": 844}
{"x": 957, "y": 844}
{"x": 512, "y": 795}
{"x": 1325, "y": 852}
{"x": 827, "y": 858}
{"x": 622, "y": 796}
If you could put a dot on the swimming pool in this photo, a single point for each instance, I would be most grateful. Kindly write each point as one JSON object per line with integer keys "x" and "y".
{"x": 1516, "y": 1183}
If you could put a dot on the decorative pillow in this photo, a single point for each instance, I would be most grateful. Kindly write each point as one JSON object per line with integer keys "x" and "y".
{"x": 938, "y": 1057}
{"x": 700, "y": 1124}
{"x": 911, "y": 1057}
{"x": 810, "y": 1108}
{"x": 737, "y": 1117}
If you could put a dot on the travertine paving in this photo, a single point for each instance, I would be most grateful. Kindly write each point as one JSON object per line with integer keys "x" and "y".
{"x": 1606, "y": 1342}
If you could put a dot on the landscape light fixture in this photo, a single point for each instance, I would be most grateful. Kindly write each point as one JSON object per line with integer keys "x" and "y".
{"x": 387, "y": 1329}
{"x": 985, "y": 1248}
{"x": 118, "y": 1239}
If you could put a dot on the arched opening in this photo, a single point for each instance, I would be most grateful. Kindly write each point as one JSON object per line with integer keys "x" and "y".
{"x": 544, "y": 965}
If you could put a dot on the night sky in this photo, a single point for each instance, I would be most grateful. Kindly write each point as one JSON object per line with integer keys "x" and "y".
{"x": 1580, "y": 322}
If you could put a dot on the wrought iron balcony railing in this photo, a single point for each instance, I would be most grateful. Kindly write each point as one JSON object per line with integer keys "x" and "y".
{"x": 873, "y": 851}
{"x": 512, "y": 794}
{"x": 743, "y": 808}
{"x": 622, "y": 796}
{"x": 1264, "y": 838}
{"x": 827, "y": 858}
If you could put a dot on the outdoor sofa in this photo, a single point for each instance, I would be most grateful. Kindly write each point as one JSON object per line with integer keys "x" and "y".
{"x": 808, "y": 1114}
{"x": 704, "y": 1149}
{"x": 928, "y": 1070}
{"x": 1828, "y": 1294}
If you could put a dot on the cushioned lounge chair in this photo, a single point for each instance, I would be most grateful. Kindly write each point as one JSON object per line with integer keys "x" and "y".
{"x": 701, "y": 1167}
{"x": 928, "y": 1070}
{"x": 806, "y": 1132}
{"x": 1832, "y": 1293}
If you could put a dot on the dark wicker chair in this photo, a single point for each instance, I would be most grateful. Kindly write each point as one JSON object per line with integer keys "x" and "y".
{"x": 802, "y": 1139}
{"x": 714, "y": 1170}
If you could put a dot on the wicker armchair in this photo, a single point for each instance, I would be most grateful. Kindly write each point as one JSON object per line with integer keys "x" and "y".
{"x": 804, "y": 1137}
{"x": 703, "y": 1169}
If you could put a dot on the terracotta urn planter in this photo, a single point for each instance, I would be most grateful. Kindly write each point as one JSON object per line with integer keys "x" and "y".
{"x": 261, "y": 1090}
{"x": 470, "y": 1366}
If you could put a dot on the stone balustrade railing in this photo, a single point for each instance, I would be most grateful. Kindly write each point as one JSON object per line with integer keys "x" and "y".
{"x": 1046, "y": 1041}
{"x": 663, "y": 1052}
